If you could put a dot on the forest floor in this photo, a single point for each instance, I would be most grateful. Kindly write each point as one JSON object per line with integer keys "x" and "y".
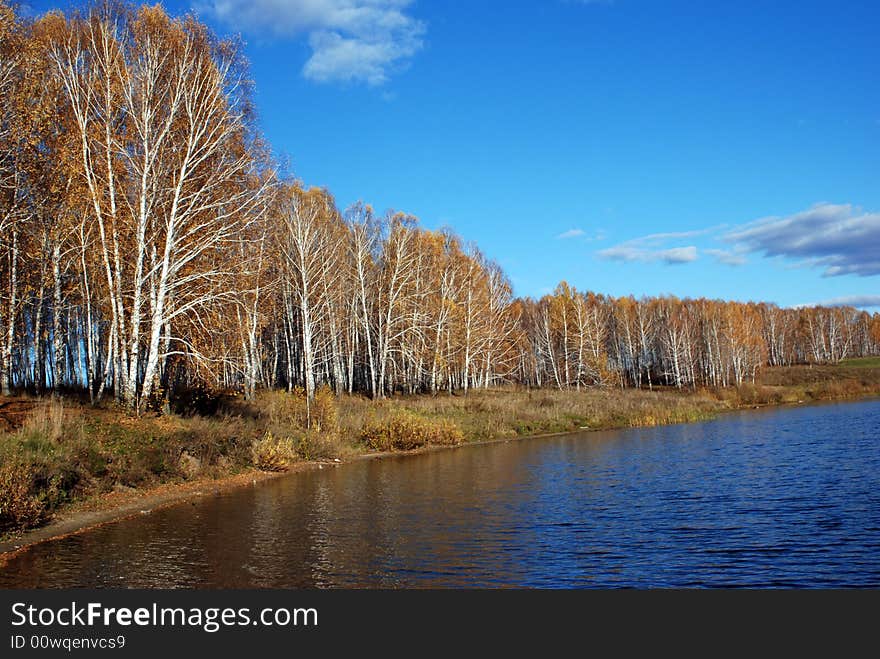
{"x": 66, "y": 466}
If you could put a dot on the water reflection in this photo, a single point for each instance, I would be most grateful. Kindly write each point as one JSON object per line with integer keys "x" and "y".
{"x": 777, "y": 498}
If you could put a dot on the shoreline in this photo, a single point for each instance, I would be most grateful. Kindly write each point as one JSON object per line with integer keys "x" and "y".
{"x": 76, "y": 521}
{"x": 115, "y": 506}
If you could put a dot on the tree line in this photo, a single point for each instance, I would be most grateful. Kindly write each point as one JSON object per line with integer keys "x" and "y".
{"x": 149, "y": 243}
{"x": 573, "y": 339}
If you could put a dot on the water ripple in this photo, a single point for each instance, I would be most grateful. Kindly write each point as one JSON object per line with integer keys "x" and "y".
{"x": 773, "y": 499}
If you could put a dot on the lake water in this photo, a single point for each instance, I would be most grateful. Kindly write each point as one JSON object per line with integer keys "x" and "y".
{"x": 774, "y": 498}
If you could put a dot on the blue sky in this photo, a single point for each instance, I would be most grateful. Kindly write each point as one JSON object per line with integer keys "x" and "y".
{"x": 718, "y": 149}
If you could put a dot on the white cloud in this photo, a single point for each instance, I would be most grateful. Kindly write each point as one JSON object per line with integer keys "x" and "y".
{"x": 571, "y": 233}
{"x": 837, "y": 237}
{"x": 659, "y": 238}
{"x": 351, "y": 59}
{"x": 726, "y": 257}
{"x": 653, "y": 248}
{"x": 678, "y": 255}
{"x": 592, "y": 236}
{"x": 351, "y": 40}
{"x": 631, "y": 251}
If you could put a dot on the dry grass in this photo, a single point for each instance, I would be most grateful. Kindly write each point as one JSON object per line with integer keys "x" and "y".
{"x": 499, "y": 413}
{"x": 403, "y": 430}
{"x": 826, "y": 382}
{"x": 861, "y": 362}
{"x": 62, "y": 452}
{"x": 46, "y": 419}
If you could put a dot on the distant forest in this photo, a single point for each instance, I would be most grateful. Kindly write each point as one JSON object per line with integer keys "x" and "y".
{"x": 149, "y": 244}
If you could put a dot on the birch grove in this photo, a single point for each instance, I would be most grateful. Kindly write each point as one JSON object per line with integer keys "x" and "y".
{"x": 148, "y": 246}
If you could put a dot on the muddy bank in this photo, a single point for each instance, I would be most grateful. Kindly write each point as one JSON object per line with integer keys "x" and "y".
{"x": 116, "y": 506}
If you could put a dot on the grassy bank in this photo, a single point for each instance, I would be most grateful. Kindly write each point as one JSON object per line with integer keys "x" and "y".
{"x": 56, "y": 454}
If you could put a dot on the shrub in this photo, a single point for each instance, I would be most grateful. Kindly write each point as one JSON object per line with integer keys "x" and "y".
{"x": 140, "y": 455}
{"x": 404, "y": 431}
{"x": 313, "y": 445}
{"x": 285, "y": 408}
{"x": 291, "y": 410}
{"x": 324, "y": 415}
{"x": 215, "y": 441}
{"x": 19, "y": 507}
{"x": 273, "y": 453}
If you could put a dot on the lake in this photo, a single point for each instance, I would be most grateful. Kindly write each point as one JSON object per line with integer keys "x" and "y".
{"x": 786, "y": 497}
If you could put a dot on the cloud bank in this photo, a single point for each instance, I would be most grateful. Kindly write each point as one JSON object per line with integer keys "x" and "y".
{"x": 839, "y": 238}
{"x": 351, "y": 40}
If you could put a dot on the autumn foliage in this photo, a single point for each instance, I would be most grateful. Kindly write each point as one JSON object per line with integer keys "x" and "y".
{"x": 149, "y": 245}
